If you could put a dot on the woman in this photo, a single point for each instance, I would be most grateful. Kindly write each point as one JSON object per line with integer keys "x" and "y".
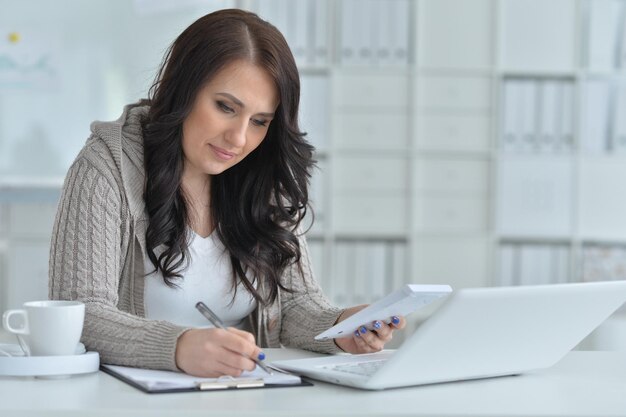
{"x": 197, "y": 195}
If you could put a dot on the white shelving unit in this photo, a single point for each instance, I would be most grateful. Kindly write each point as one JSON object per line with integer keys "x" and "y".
{"x": 436, "y": 163}
{"x": 356, "y": 106}
{"x": 560, "y": 205}
{"x": 472, "y": 159}
{"x": 406, "y": 157}
{"x": 451, "y": 139}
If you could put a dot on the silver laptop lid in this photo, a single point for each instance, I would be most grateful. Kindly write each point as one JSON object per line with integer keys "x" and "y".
{"x": 484, "y": 332}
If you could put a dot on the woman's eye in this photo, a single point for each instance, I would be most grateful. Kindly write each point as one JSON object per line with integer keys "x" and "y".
{"x": 258, "y": 122}
{"x": 222, "y": 106}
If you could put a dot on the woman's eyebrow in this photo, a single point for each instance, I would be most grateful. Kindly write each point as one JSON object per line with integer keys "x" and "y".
{"x": 239, "y": 103}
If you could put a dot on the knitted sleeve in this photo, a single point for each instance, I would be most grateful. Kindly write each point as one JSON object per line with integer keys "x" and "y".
{"x": 88, "y": 253}
{"x": 306, "y": 312}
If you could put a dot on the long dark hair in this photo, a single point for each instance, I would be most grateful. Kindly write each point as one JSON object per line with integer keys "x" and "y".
{"x": 257, "y": 204}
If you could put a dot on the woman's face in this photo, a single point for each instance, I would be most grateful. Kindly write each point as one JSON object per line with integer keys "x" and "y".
{"x": 229, "y": 119}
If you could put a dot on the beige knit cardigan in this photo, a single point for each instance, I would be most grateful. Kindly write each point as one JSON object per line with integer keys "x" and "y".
{"x": 97, "y": 256}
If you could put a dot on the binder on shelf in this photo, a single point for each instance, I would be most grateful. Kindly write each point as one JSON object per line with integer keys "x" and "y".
{"x": 508, "y": 263}
{"x": 316, "y": 255}
{"x": 314, "y": 115}
{"x": 567, "y": 116}
{"x": 528, "y": 110}
{"x": 605, "y": 34}
{"x": 349, "y": 24}
{"x": 596, "y": 112}
{"x": 530, "y": 272}
{"x": 320, "y": 32}
{"x": 361, "y": 275}
{"x": 317, "y": 195}
{"x": 383, "y": 41}
{"x": 343, "y": 274}
{"x": 548, "y": 116}
{"x": 374, "y": 33}
{"x": 560, "y": 264}
{"x": 398, "y": 266}
{"x": 377, "y": 266}
{"x": 279, "y": 10}
{"x": 299, "y": 30}
{"x": 511, "y": 141}
{"x": 618, "y": 113}
{"x": 361, "y": 13}
{"x": 400, "y": 39}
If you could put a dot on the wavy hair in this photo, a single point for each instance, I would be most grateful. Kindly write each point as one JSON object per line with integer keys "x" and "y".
{"x": 256, "y": 205}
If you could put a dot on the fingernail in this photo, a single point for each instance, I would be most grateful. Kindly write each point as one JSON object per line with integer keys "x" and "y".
{"x": 357, "y": 334}
{"x": 261, "y": 356}
{"x": 395, "y": 320}
{"x": 377, "y": 324}
{"x": 363, "y": 329}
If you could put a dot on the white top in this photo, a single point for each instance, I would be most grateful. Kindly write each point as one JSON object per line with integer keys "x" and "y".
{"x": 207, "y": 278}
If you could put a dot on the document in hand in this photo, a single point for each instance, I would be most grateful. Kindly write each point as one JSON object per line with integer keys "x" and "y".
{"x": 152, "y": 381}
{"x": 402, "y": 302}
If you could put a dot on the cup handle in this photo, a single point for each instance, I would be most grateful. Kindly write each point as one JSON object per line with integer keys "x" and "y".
{"x": 6, "y": 317}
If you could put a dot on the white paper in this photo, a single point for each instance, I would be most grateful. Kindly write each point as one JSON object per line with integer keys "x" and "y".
{"x": 154, "y": 379}
{"x": 399, "y": 303}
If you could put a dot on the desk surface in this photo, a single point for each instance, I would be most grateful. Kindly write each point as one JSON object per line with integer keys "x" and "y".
{"x": 582, "y": 384}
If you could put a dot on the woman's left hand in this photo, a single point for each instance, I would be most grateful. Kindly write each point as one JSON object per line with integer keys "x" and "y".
{"x": 365, "y": 340}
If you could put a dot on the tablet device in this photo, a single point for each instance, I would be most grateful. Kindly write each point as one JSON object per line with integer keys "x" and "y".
{"x": 399, "y": 303}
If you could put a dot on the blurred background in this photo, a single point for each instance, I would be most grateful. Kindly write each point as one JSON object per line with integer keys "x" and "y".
{"x": 471, "y": 143}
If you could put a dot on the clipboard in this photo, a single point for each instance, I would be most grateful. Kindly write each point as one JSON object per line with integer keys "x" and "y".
{"x": 164, "y": 385}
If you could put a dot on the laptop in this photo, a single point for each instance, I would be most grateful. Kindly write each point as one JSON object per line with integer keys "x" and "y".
{"x": 479, "y": 333}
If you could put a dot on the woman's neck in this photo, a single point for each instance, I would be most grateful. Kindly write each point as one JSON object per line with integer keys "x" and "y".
{"x": 197, "y": 189}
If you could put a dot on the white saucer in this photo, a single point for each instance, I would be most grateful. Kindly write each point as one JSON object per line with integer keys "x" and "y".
{"x": 13, "y": 349}
{"x": 47, "y": 366}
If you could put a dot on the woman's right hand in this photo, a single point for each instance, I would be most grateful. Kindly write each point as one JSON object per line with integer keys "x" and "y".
{"x": 211, "y": 353}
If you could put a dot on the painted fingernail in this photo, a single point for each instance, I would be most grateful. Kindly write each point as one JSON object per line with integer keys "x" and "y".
{"x": 395, "y": 320}
{"x": 377, "y": 324}
{"x": 357, "y": 334}
{"x": 363, "y": 329}
{"x": 261, "y": 356}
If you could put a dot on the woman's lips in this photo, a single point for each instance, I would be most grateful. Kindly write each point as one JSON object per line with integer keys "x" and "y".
{"x": 221, "y": 153}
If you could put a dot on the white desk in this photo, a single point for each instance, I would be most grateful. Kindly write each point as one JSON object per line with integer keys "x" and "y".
{"x": 582, "y": 384}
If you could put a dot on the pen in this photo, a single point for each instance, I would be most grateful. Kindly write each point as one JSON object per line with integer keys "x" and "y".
{"x": 217, "y": 322}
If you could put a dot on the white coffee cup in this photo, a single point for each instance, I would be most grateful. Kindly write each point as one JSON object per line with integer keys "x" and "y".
{"x": 50, "y": 328}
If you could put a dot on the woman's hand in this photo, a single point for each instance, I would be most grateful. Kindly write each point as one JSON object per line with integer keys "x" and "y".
{"x": 215, "y": 352}
{"x": 365, "y": 340}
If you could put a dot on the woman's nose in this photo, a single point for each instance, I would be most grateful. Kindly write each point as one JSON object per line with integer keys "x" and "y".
{"x": 236, "y": 136}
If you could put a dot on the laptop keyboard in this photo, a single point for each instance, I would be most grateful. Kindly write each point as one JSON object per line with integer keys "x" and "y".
{"x": 357, "y": 368}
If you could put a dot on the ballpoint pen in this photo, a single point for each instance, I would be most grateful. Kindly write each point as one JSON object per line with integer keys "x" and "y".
{"x": 217, "y": 322}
